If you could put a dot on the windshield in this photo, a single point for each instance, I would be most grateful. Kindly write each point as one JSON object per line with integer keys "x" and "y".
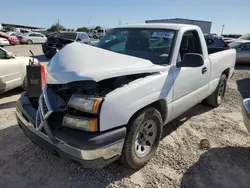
{"x": 245, "y": 37}
{"x": 67, "y": 35}
{"x": 151, "y": 44}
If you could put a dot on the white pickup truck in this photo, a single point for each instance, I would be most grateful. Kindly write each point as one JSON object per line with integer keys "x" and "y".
{"x": 112, "y": 101}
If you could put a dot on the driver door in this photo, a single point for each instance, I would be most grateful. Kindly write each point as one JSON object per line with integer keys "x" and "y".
{"x": 190, "y": 83}
{"x": 10, "y": 72}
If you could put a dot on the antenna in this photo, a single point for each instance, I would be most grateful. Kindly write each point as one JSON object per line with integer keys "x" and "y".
{"x": 90, "y": 15}
{"x": 222, "y": 30}
{"x": 33, "y": 58}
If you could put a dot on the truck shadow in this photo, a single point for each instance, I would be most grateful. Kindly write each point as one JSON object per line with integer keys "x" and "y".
{"x": 22, "y": 164}
{"x": 220, "y": 167}
{"x": 244, "y": 87}
{"x": 176, "y": 123}
{"x": 11, "y": 93}
{"x": 8, "y": 105}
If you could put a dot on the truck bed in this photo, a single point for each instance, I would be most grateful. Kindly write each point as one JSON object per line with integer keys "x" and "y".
{"x": 214, "y": 50}
{"x": 221, "y": 60}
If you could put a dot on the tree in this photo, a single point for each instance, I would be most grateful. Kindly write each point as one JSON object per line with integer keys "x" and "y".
{"x": 56, "y": 27}
{"x": 98, "y": 27}
{"x": 83, "y": 29}
{"x": 9, "y": 28}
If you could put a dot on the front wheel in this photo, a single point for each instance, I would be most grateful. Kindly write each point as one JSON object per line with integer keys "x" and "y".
{"x": 217, "y": 96}
{"x": 29, "y": 42}
{"x": 143, "y": 138}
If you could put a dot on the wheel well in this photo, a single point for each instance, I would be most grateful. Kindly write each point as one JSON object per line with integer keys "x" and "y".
{"x": 160, "y": 105}
{"x": 226, "y": 72}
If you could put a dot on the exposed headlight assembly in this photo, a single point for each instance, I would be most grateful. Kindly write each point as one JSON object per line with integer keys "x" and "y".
{"x": 84, "y": 124}
{"x": 85, "y": 103}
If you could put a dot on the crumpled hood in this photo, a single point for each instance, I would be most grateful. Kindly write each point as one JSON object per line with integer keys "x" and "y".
{"x": 77, "y": 62}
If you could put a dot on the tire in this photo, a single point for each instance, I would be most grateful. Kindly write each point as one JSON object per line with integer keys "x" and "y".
{"x": 29, "y": 42}
{"x": 216, "y": 98}
{"x": 25, "y": 84}
{"x": 135, "y": 155}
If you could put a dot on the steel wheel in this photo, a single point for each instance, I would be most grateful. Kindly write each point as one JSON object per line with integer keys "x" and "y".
{"x": 221, "y": 91}
{"x": 145, "y": 138}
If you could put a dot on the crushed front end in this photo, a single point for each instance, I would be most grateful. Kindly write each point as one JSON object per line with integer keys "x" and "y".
{"x": 65, "y": 121}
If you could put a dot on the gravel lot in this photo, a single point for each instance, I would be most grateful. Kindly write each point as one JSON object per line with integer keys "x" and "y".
{"x": 179, "y": 161}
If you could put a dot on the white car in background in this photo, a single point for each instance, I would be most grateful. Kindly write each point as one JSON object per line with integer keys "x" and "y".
{"x": 32, "y": 38}
{"x": 12, "y": 33}
{"x": 4, "y": 42}
{"x": 12, "y": 70}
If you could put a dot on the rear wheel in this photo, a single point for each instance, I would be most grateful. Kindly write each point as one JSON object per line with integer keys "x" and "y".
{"x": 29, "y": 42}
{"x": 142, "y": 139}
{"x": 217, "y": 96}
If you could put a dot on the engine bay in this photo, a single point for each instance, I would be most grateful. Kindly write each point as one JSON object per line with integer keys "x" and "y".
{"x": 92, "y": 88}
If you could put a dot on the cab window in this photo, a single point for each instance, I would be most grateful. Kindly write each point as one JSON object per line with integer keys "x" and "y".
{"x": 190, "y": 44}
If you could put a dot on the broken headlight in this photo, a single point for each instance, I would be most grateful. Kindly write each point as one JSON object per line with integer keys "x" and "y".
{"x": 85, "y": 104}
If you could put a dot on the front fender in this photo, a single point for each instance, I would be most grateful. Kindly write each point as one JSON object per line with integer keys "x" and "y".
{"x": 119, "y": 105}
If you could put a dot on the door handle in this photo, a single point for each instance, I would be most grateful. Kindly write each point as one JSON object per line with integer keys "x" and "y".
{"x": 204, "y": 70}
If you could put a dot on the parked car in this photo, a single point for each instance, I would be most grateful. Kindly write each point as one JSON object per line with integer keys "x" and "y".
{"x": 246, "y": 113}
{"x": 13, "y": 40}
{"x": 243, "y": 37}
{"x": 232, "y": 36}
{"x": 11, "y": 33}
{"x": 58, "y": 41}
{"x": 12, "y": 70}
{"x": 214, "y": 41}
{"x": 111, "y": 101}
{"x": 4, "y": 42}
{"x": 99, "y": 34}
{"x": 242, "y": 48}
{"x": 32, "y": 38}
{"x": 51, "y": 34}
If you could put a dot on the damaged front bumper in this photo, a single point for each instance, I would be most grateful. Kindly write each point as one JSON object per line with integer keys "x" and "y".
{"x": 93, "y": 150}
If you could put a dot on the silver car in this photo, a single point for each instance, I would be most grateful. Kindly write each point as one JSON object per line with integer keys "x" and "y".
{"x": 242, "y": 48}
{"x": 32, "y": 38}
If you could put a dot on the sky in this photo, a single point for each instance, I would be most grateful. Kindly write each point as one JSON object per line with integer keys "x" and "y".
{"x": 110, "y": 13}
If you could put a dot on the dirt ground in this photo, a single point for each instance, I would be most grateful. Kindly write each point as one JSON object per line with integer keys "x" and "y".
{"x": 179, "y": 161}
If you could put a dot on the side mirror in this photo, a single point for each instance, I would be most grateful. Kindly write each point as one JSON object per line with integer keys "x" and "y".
{"x": 78, "y": 40}
{"x": 191, "y": 60}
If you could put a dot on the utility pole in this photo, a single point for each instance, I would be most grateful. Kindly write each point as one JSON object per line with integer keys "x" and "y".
{"x": 222, "y": 30}
{"x": 90, "y": 18}
{"x": 120, "y": 22}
